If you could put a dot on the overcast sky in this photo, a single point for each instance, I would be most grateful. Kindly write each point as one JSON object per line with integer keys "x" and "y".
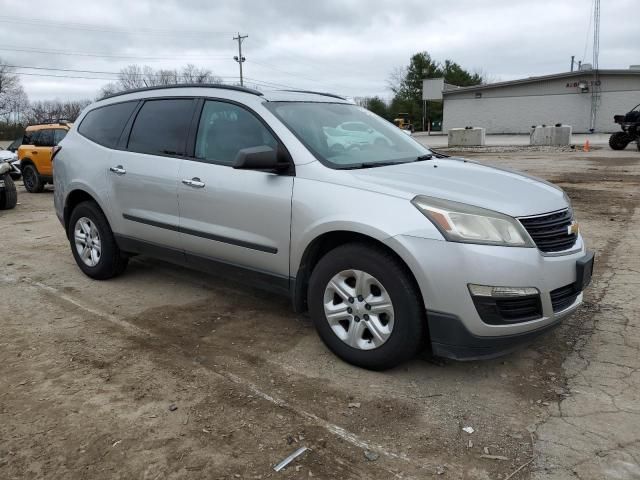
{"x": 344, "y": 46}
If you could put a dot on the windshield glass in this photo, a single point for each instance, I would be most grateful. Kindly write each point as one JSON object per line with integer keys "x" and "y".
{"x": 347, "y": 136}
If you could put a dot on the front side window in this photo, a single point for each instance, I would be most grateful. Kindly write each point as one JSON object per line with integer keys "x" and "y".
{"x": 30, "y": 137}
{"x": 104, "y": 125}
{"x": 225, "y": 129}
{"x": 161, "y": 127}
{"x": 347, "y": 136}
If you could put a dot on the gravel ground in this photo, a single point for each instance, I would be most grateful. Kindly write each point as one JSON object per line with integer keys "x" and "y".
{"x": 168, "y": 373}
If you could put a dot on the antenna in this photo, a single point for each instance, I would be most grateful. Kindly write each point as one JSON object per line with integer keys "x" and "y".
{"x": 595, "y": 87}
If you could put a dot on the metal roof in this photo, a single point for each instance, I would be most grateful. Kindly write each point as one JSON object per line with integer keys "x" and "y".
{"x": 555, "y": 76}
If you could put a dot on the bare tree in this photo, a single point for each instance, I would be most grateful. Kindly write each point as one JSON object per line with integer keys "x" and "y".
{"x": 54, "y": 110}
{"x": 136, "y": 76}
{"x": 193, "y": 74}
{"x": 11, "y": 91}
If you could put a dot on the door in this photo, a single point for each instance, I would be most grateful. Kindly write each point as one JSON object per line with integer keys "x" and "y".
{"x": 42, "y": 149}
{"x": 241, "y": 217}
{"x": 143, "y": 174}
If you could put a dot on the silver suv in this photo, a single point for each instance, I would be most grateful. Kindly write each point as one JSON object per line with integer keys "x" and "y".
{"x": 387, "y": 244}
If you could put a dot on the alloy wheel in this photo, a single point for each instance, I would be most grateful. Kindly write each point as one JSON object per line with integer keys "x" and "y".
{"x": 87, "y": 241}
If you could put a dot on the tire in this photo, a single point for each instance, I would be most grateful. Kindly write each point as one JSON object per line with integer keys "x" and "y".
{"x": 110, "y": 262}
{"x": 393, "y": 284}
{"x": 619, "y": 141}
{"x": 32, "y": 180}
{"x": 8, "y": 196}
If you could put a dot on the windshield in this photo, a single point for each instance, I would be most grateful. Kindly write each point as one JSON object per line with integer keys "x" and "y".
{"x": 347, "y": 136}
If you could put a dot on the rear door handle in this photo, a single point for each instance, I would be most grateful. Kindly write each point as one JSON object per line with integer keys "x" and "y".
{"x": 119, "y": 170}
{"x": 34, "y": 152}
{"x": 195, "y": 182}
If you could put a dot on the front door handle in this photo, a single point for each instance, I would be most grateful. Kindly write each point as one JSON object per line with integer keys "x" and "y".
{"x": 119, "y": 170}
{"x": 195, "y": 182}
{"x": 34, "y": 152}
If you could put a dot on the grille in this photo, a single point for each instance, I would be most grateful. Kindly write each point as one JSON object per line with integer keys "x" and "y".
{"x": 550, "y": 232}
{"x": 563, "y": 297}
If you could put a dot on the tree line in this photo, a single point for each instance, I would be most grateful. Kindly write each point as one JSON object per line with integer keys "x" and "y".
{"x": 405, "y": 83}
{"x": 16, "y": 111}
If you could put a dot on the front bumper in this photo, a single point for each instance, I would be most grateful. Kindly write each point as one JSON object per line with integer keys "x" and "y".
{"x": 444, "y": 270}
{"x": 449, "y": 337}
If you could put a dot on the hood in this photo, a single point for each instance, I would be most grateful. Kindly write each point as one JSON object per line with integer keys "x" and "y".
{"x": 7, "y": 155}
{"x": 458, "y": 180}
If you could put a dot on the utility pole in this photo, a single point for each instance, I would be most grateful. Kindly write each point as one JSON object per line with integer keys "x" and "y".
{"x": 595, "y": 83}
{"x": 573, "y": 59}
{"x": 239, "y": 58}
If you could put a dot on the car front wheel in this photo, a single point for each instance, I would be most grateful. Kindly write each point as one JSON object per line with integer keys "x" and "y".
{"x": 31, "y": 178}
{"x": 366, "y": 307}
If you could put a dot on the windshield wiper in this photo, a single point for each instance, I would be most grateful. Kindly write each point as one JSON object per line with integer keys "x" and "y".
{"x": 370, "y": 165}
{"x": 439, "y": 154}
{"x": 426, "y": 156}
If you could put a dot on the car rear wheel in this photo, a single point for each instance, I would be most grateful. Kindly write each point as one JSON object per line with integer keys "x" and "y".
{"x": 366, "y": 307}
{"x": 32, "y": 180}
{"x": 93, "y": 244}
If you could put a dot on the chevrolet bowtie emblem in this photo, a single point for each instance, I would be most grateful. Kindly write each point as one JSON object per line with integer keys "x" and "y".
{"x": 574, "y": 228}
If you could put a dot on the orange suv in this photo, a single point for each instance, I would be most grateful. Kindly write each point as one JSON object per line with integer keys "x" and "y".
{"x": 36, "y": 152}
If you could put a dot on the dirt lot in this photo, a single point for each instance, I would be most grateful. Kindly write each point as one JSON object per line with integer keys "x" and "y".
{"x": 89, "y": 370}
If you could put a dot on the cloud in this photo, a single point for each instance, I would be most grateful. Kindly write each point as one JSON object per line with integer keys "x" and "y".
{"x": 346, "y": 46}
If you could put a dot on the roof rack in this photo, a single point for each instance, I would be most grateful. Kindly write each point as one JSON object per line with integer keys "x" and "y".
{"x": 61, "y": 121}
{"x": 188, "y": 85}
{"x": 324, "y": 94}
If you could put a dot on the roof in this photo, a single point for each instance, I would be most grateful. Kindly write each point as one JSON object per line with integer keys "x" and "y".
{"x": 42, "y": 126}
{"x": 555, "y": 76}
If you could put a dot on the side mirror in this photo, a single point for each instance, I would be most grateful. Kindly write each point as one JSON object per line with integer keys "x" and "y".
{"x": 263, "y": 158}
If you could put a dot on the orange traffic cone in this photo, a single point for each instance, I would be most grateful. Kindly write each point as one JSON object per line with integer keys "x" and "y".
{"x": 587, "y": 146}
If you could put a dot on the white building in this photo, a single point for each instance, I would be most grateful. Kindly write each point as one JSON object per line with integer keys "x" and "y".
{"x": 514, "y": 106}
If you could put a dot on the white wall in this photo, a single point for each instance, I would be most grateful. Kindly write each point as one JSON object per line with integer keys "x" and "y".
{"x": 515, "y": 109}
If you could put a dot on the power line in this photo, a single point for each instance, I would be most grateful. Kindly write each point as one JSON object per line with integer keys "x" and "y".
{"x": 13, "y": 48}
{"x": 61, "y": 76}
{"x": 98, "y": 28}
{"x": 142, "y": 74}
{"x": 101, "y": 72}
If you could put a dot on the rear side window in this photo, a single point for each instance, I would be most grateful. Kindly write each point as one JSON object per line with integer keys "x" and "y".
{"x": 161, "y": 127}
{"x": 105, "y": 124}
{"x": 58, "y": 135}
{"x": 45, "y": 139}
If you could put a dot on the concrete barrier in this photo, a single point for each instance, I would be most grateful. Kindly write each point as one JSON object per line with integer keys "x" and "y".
{"x": 558, "y": 135}
{"x": 466, "y": 137}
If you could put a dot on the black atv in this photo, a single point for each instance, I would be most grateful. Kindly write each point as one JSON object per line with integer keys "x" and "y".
{"x": 630, "y": 124}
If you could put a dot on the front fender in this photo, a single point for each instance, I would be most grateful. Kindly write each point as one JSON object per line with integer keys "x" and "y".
{"x": 321, "y": 207}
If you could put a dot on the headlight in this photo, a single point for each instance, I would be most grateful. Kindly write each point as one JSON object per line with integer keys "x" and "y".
{"x": 459, "y": 222}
